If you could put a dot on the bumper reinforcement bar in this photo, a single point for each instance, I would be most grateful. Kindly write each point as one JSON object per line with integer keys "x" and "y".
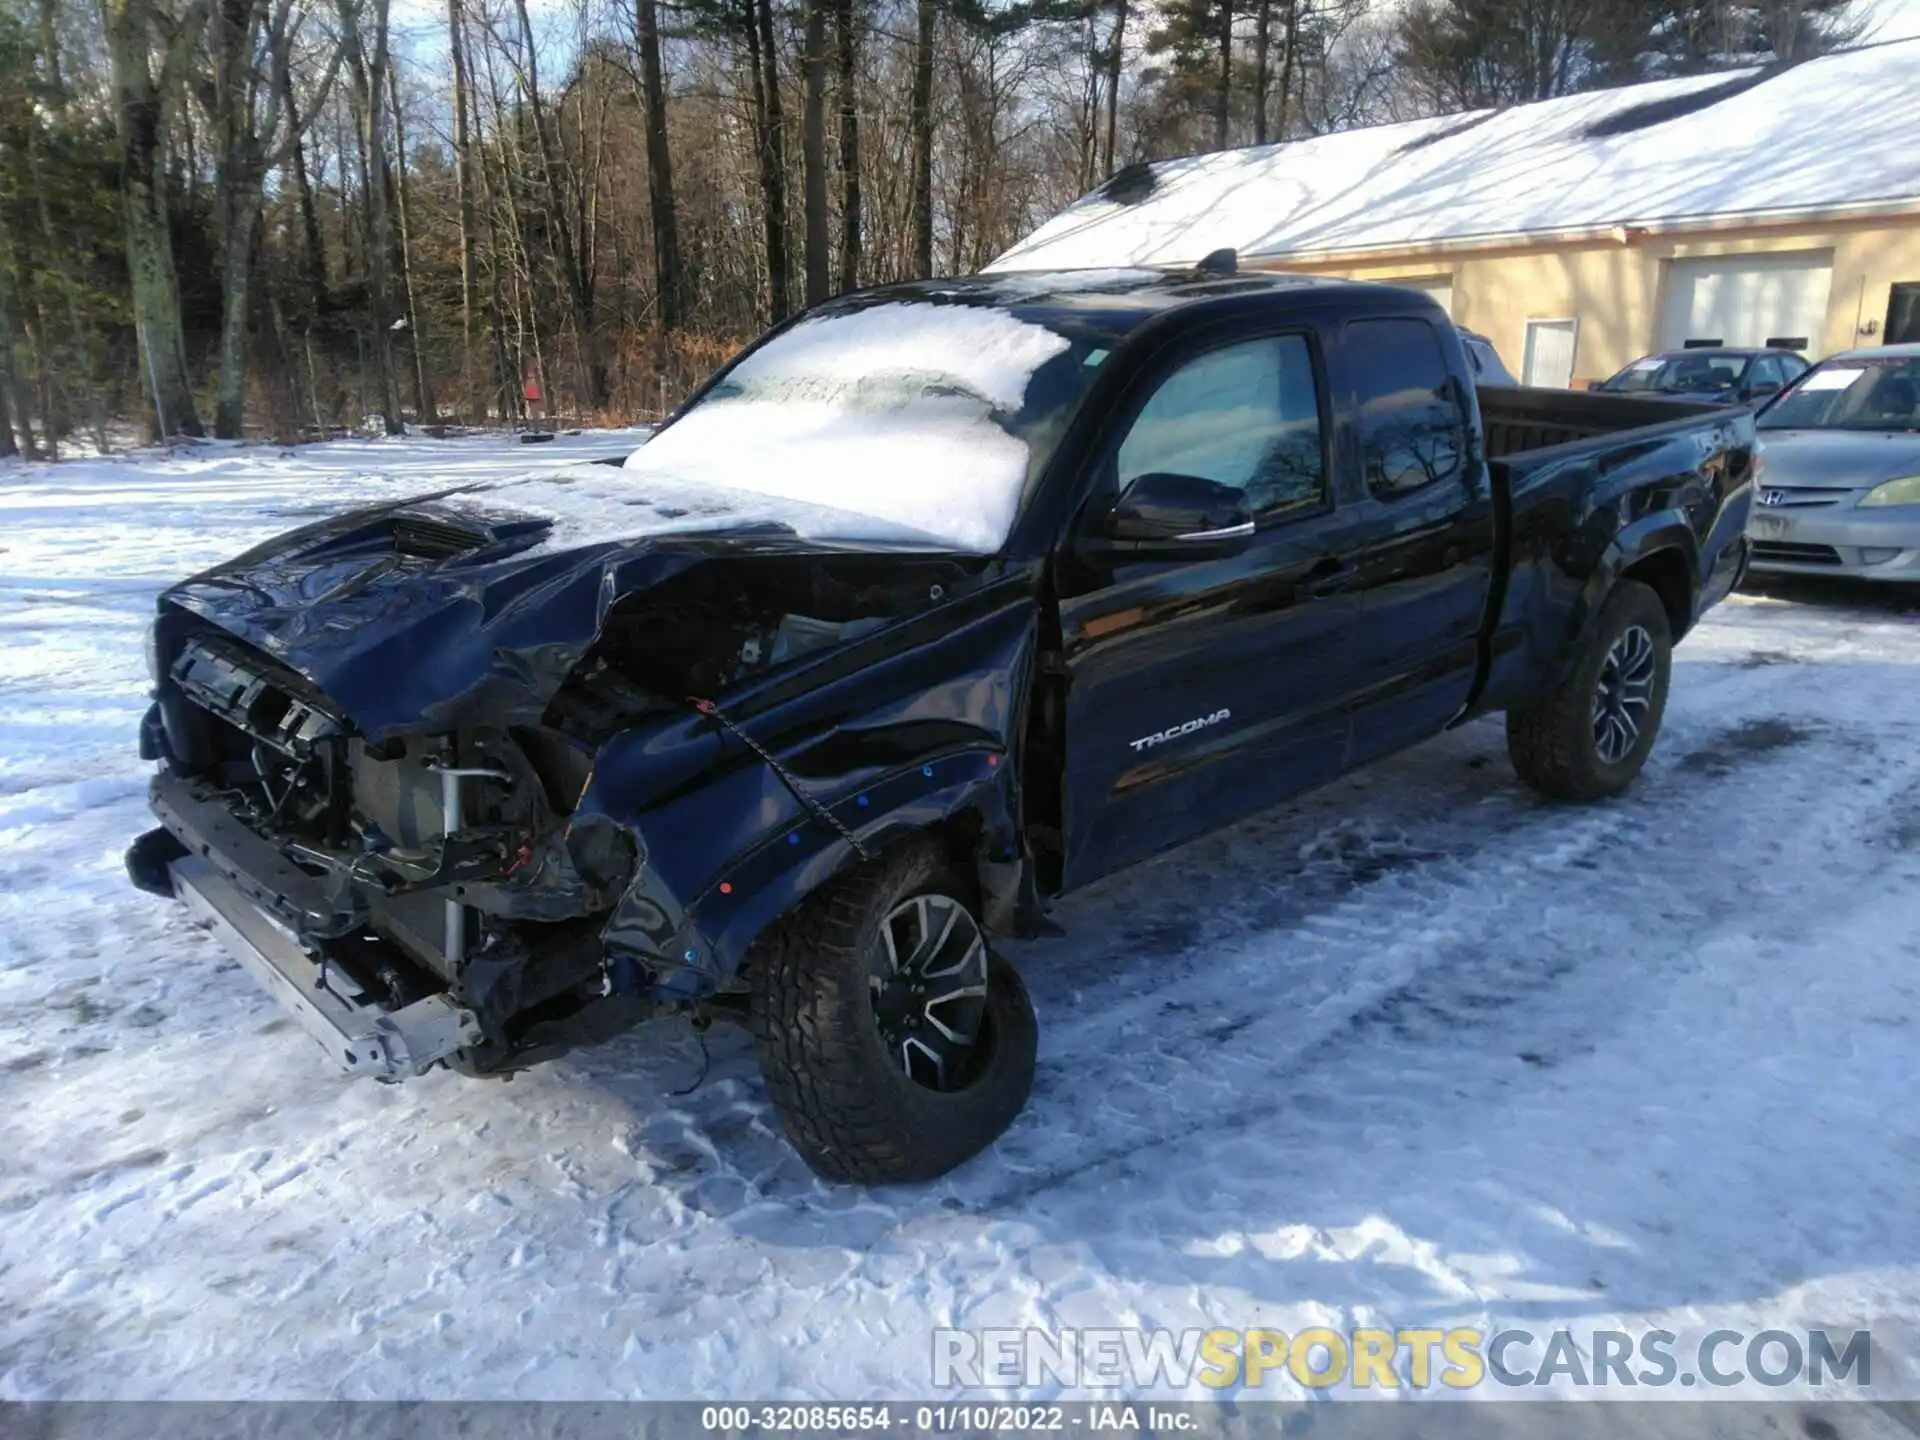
{"x": 361, "y": 1037}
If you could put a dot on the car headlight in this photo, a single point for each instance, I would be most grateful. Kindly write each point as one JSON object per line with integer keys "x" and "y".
{"x": 153, "y": 653}
{"x": 1904, "y": 491}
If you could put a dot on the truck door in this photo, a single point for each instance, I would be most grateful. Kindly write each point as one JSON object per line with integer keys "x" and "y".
{"x": 1200, "y": 691}
{"x": 1422, "y": 547}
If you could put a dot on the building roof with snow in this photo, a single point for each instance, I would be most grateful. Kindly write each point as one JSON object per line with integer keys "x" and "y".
{"x": 1830, "y": 136}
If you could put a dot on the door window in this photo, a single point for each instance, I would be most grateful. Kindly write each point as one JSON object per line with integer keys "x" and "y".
{"x": 1412, "y": 431}
{"x": 1245, "y": 416}
{"x": 1765, "y": 371}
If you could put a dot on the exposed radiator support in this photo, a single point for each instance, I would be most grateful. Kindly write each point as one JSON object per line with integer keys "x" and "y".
{"x": 453, "y": 816}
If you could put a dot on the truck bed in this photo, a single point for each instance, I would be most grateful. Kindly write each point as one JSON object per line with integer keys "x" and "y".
{"x": 1558, "y": 459}
{"x": 1514, "y": 419}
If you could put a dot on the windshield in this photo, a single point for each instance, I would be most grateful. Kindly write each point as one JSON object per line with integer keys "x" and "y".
{"x": 1851, "y": 393}
{"x": 1680, "y": 374}
{"x": 898, "y": 421}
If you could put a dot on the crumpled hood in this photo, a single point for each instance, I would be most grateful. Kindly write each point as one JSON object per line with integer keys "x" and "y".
{"x": 470, "y": 606}
{"x": 1838, "y": 459}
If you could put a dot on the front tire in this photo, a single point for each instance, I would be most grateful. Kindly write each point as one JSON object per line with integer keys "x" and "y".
{"x": 1589, "y": 738}
{"x": 894, "y": 1045}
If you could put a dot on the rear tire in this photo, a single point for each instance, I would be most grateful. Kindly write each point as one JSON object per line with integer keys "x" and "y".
{"x": 855, "y": 1109}
{"x": 1589, "y": 738}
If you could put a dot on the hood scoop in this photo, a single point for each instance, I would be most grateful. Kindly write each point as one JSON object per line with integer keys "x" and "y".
{"x": 428, "y": 538}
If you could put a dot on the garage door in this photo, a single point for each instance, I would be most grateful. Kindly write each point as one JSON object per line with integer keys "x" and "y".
{"x": 1440, "y": 287}
{"x": 1748, "y": 300}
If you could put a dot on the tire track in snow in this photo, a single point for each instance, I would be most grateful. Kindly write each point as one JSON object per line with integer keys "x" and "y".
{"x": 1446, "y": 971}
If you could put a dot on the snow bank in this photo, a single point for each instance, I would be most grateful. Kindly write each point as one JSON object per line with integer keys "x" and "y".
{"x": 877, "y": 422}
{"x": 1835, "y": 131}
{"x": 1415, "y": 1050}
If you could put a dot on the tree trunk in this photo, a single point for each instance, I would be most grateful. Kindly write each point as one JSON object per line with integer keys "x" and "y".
{"x": 1262, "y": 44}
{"x": 1288, "y": 59}
{"x": 13, "y": 390}
{"x": 236, "y": 271}
{"x": 138, "y": 118}
{"x": 417, "y": 338}
{"x": 54, "y": 419}
{"x": 506, "y": 378}
{"x": 1223, "y": 97}
{"x": 663, "y": 216}
{"x": 1116, "y": 59}
{"x": 920, "y": 122}
{"x": 368, "y": 68}
{"x": 314, "y": 249}
{"x": 56, "y": 250}
{"x": 773, "y": 153}
{"x": 574, "y": 241}
{"x": 847, "y": 34}
{"x": 813, "y": 153}
{"x": 227, "y": 98}
{"x": 50, "y": 47}
{"x": 463, "y": 188}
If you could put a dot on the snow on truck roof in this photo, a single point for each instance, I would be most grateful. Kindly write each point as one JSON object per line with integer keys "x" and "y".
{"x": 1826, "y": 134}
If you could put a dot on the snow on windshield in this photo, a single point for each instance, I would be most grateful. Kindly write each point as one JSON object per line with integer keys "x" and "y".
{"x": 886, "y": 413}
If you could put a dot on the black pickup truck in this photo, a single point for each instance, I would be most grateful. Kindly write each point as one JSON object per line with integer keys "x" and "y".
{"x": 939, "y": 601}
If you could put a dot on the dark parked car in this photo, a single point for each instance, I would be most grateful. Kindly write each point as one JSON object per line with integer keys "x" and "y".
{"x": 1840, "y": 474}
{"x": 1708, "y": 376}
{"x": 1484, "y": 360}
{"x": 939, "y": 602}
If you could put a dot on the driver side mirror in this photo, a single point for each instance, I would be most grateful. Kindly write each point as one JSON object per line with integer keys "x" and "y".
{"x": 1761, "y": 390}
{"x": 1167, "y": 516}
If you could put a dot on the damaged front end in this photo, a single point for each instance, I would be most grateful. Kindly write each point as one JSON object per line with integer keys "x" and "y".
{"x": 570, "y": 826}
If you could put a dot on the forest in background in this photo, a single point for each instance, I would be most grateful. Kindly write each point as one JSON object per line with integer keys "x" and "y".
{"x": 283, "y": 218}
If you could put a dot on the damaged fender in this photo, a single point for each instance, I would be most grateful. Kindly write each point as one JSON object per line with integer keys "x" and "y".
{"x": 917, "y": 728}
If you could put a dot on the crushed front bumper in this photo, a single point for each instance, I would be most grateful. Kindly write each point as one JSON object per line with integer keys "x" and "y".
{"x": 362, "y": 1037}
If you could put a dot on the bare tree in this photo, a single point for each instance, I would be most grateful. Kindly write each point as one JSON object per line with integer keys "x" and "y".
{"x": 771, "y": 132}
{"x": 464, "y": 201}
{"x": 142, "y": 101}
{"x": 243, "y": 93}
{"x": 920, "y": 121}
{"x": 660, "y": 203}
{"x": 813, "y": 151}
{"x": 416, "y": 332}
{"x": 847, "y": 38}
{"x": 367, "y": 68}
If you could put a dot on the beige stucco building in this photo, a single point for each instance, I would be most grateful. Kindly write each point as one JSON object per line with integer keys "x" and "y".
{"x": 1571, "y": 310}
{"x": 1771, "y": 206}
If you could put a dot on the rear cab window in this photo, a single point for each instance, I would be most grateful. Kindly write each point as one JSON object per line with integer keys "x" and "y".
{"x": 1412, "y": 430}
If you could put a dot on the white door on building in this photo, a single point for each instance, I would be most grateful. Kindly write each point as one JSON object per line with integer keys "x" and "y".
{"x": 1440, "y": 287}
{"x": 1748, "y": 300}
{"x": 1548, "y": 359}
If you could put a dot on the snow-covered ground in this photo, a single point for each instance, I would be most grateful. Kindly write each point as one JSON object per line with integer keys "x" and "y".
{"x": 1417, "y": 1051}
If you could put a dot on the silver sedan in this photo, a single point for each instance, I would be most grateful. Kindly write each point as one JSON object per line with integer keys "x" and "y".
{"x": 1839, "y": 485}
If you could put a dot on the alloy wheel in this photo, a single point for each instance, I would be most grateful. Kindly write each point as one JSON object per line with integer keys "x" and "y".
{"x": 1624, "y": 696}
{"x": 928, "y": 976}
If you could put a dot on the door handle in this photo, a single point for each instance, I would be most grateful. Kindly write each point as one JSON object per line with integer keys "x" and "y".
{"x": 1328, "y": 577}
